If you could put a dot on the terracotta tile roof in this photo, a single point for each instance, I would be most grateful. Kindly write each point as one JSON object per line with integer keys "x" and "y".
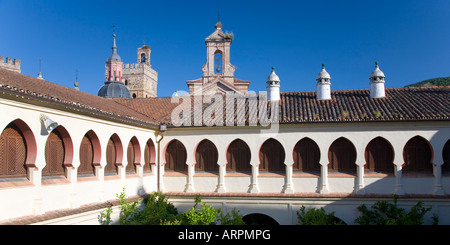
{"x": 400, "y": 104}
{"x": 33, "y": 90}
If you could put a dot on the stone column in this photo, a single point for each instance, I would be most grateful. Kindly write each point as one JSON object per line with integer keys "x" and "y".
{"x": 254, "y": 182}
{"x": 35, "y": 176}
{"x": 437, "y": 171}
{"x": 190, "y": 179}
{"x": 398, "y": 180}
{"x": 221, "y": 185}
{"x": 324, "y": 179}
{"x": 359, "y": 187}
{"x": 288, "y": 189}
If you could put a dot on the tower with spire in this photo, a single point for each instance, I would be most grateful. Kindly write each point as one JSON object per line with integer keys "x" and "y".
{"x": 114, "y": 87}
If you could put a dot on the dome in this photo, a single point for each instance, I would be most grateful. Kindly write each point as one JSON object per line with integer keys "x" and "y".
{"x": 273, "y": 77}
{"x": 114, "y": 89}
{"x": 377, "y": 72}
{"x": 114, "y": 57}
{"x": 323, "y": 74}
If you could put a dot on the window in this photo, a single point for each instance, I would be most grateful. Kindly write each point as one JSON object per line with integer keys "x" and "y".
{"x": 149, "y": 155}
{"x": 206, "y": 157}
{"x": 114, "y": 154}
{"x": 342, "y": 156}
{"x": 175, "y": 156}
{"x": 218, "y": 66}
{"x": 446, "y": 157}
{"x": 13, "y": 153}
{"x": 417, "y": 156}
{"x": 306, "y": 156}
{"x": 379, "y": 156}
{"x": 54, "y": 154}
{"x": 86, "y": 157}
{"x": 271, "y": 156}
{"x": 238, "y": 156}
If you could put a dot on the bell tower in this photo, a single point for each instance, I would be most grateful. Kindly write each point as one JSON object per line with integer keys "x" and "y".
{"x": 218, "y": 72}
{"x": 139, "y": 77}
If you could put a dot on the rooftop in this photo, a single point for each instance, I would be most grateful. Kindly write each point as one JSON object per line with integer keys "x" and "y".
{"x": 400, "y": 104}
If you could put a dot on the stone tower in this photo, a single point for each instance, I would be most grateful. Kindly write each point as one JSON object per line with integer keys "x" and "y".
{"x": 139, "y": 77}
{"x": 218, "y": 72}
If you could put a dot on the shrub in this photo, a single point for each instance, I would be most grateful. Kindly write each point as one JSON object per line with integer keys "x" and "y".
{"x": 385, "y": 213}
{"x": 316, "y": 217}
{"x": 156, "y": 210}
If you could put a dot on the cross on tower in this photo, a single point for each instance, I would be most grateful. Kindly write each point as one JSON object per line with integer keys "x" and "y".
{"x": 218, "y": 14}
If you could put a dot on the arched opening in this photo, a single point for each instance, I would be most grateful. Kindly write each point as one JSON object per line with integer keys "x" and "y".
{"x": 149, "y": 156}
{"x": 206, "y": 157}
{"x": 58, "y": 152}
{"x": 446, "y": 157}
{"x": 271, "y": 156}
{"x": 417, "y": 155}
{"x": 342, "y": 156}
{"x": 143, "y": 58}
{"x": 114, "y": 154}
{"x": 175, "y": 157}
{"x": 259, "y": 219}
{"x": 238, "y": 157}
{"x": 379, "y": 156}
{"x": 86, "y": 167}
{"x": 133, "y": 156}
{"x": 218, "y": 64}
{"x": 134, "y": 96}
{"x": 306, "y": 156}
{"x": 13, "y": 152}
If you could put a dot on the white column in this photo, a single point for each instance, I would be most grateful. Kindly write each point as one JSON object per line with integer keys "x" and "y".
{"x": 288, "y": 189}
{"x": 221, "y": 185}
{"x": 359, "y": 187}
{"x": 72, "y": 177}
{"x": 398, "y": 180}
{"x": 324, "y": 179}
{"x": 437, "y": 170}
{"x": 34, "y": 175}
{"x": 190, "y": 179}
{"x": 254, "y": 184}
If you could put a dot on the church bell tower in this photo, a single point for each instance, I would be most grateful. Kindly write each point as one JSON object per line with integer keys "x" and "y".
{"x": 218, "y": 72}
{"x": 139, "y": 77}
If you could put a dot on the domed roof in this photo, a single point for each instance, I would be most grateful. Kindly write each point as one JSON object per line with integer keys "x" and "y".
{"x": 323, "y": 74}
{"x": 273, "y": 77}
{"x": 114, "y": 89}
{"x": 114, "y": 57}
{"x": 377, "y": 72}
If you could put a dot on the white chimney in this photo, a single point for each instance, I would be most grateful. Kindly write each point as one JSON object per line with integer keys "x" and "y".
{"x": 377, "y": 83}
{"x": 323, "y": 85}
{"x": 273, "y": 86}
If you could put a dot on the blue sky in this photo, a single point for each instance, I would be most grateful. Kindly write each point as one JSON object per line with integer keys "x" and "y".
{"x": 410, "y": 39}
